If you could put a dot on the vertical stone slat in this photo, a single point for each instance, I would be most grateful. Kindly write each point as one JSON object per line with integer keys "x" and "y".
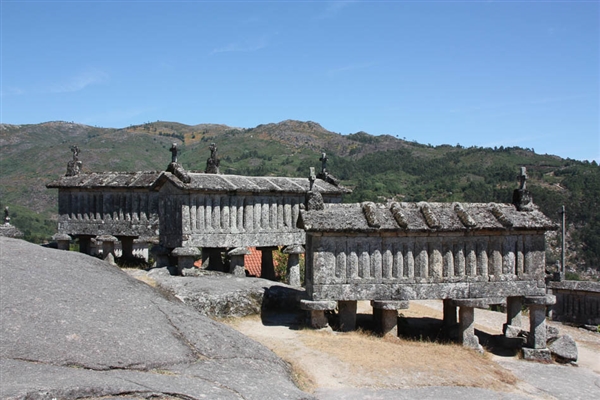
{"x": 208, "y": 209}
{"x": 459, "y": 259}
{"x": 520, "y": 262}
{"x": 257, "y": 213}
{"x": 185, "y": 214}
{"x": 352, "y": 260}
{"x": 482, "y": 257}
{"x": 387, "y": 261}
{"x": 193, "y": 214}
{"x": 436, "y": 261}
{"x": 287, "y": 212}
{"x": 421, "y": 258}
{"x": 273, "y": 213}
{"x": 249, "y": 214}
{"x": 233, "y": 212}
{"x": 296, "y": 211}
{"x": 495, "y": 256}
{"x": 409, "y": 258}
{"x": 280, "y": 216}
{"x": 508, "y": 255}
{"x": 216, "y": 212}
{"x": 241, "y": 211}
{"x": 225, "y": 209}
{"x": 528, "y": 265}
{"x": 340, "y": 260}
{"x": 398, "y": 262}
{"x": 376, "y": 259}
{"x": 448, "y": 254}
{"x": 200, "y": 213}
{"x": 364, "y": 261}
{"x": 471, "y": 258}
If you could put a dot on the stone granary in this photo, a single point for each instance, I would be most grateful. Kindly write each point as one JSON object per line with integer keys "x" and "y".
{"x": 469, "y": 255}
{"x": 187, "y": 210}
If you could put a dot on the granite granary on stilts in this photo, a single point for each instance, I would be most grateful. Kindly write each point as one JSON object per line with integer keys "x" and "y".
{"x": 185, "y": 211}
{"x": 467, "y": 254}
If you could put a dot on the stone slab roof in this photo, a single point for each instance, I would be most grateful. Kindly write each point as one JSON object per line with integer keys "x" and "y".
{"x": 140, "y": 179}
{"x": 254, "y": 184}
{"x": 198, "y": 182}
{"x": 422, "y": 217}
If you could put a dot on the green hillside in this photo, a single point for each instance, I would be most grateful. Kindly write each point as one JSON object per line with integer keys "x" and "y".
{"x": 375, "y": 167}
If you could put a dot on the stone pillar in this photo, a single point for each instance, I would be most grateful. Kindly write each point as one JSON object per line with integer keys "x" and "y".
{"x": 293, "y": 264}
{"x": 236, "y": 257}
{"x": 213, "y": 255}
{"x": 512, "y": 327}
{"x": 185, "y": 257}
{"x": 385, "y": 315}
{"x": 466, "y": 321}
{"x": 266, "y": 266}
{"x": 347, "y": 315}
{"x": 450, "y": 319}
{"x": 316, "y": 309}
{"x": 85, "y": 244}
{"x": 108, "y": 245}
{"x": 537, "y": 348}
{"x": 63, "y": 241}
{"x": 161, "y": 255}
{"x": 126, "y": 246}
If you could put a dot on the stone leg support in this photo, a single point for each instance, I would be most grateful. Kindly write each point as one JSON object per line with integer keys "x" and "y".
{"x": 215, "y": 262}
{"x": 267, "y": 268}
{"x": 466, "y": 321}
{"x": 236, "y": 257}
{"x": 450, "y": 309}
{"x": 316, "y": 309}
{"x": 293, "y": 265}
{"x": 536, "y": 344}
{"x": 385, "y": 315}
{"x": 186, "y": 256}
{"x": 108, "y": 245}
{"x": 127, "y": 246}
{"x": 85, "y": 244}
{"x": 513, "y": 316}
{"x": 63, "y": 241}
{"x": 347, "y": 314}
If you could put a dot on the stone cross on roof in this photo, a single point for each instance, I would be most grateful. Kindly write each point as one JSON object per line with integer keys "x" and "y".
{"x": 74, "y": 166}
{"x": 174, "y": 152}
{"x": 522, "y": 178}
{"x": 212, "y": 164}
{"x": 323, "y": 160}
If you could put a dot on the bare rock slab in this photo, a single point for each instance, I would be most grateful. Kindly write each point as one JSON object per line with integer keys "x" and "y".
{"x": 564, "y": 347}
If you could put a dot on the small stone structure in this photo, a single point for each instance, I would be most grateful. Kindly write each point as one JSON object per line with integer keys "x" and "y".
{"x": 8, "y": 230}
{"x": 117, "y": 204}
{"x": 470, "y": 255}
{"x": 576, "y": 301}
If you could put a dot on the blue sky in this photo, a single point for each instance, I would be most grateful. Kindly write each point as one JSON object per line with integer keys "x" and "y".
{"x": 483, "y": 73}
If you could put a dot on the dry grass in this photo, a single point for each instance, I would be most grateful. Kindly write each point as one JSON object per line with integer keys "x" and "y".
{"x": 394, "y": 362}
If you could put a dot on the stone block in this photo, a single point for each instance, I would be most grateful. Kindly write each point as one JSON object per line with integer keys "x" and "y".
{"x": 511, "y": 331}
{"x": 540, "y": 355}
{"x": 564, "y": 347}
{"x": 347, "y": 315}
{"x": 390, "y": 304}
{"x": 552, "y": 333}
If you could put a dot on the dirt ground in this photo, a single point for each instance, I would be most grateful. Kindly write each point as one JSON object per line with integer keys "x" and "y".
{"x": 329, "y": 359}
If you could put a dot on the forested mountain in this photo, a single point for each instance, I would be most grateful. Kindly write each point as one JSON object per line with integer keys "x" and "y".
{"x": 375, "y": 167}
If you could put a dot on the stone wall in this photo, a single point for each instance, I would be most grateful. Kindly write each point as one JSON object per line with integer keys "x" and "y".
{"x": 400, "y": 267}
{"x": 119, "y": 211}
{"x": 577, "y": 302}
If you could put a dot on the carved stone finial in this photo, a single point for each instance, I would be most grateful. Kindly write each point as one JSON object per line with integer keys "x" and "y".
{"x": 6, "y": 216}
{"x": 522, "y": 199}
{"x": 212, "y": 164}
{"x": 74, "y": 166}
{"x": 323, "y": 160}
{"x": 174, "y": 152}
{"x": 312, "y": 178}
{"x": 522, "y": 178}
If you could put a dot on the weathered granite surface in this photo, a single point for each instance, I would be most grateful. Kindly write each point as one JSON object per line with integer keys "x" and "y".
{"x": 74, "y": 326}
{"x": 218, "y": 294}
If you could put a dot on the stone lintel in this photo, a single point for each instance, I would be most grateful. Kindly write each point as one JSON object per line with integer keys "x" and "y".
{"x": 390, "y": 304}
{"x": 294, "y": 249}
{"x": 238, "y": 251}
{"x": 476, "y": 303}
{"x": 540, "y": 355}
{"x": 317, "y": 305}
{"x": 106, "y": 238}
{"x": 546, "y": 300}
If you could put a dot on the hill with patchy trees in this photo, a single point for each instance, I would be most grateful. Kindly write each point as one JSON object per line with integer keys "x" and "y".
{"x": 377, "y": 168}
